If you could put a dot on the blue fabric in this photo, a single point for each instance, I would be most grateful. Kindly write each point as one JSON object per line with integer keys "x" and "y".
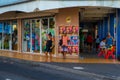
{"x": 118, "y": 34}
{"x": 102, "y": 30}
{"x": 109, "y": 42}
{"x": 105, "y": 27}
{"x": 112, "y": 24}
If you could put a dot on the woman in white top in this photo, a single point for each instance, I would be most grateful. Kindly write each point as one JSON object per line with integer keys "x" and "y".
{"x": 103, "y": 45}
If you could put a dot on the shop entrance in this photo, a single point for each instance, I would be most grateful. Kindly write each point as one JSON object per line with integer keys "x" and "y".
{"x": 95, "y": 21}
{"x": 87, "y": 33}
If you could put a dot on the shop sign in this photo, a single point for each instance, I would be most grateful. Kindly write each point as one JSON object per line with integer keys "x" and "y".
{"x": 68, "y": 19}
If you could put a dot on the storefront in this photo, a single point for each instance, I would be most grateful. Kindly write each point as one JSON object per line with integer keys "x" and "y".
{"x": 26, "y": 33}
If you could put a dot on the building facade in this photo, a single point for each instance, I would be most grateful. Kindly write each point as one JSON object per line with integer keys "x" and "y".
{"x": 24, "y": 30}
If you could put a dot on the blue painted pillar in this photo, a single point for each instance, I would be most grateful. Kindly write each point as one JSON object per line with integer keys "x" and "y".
{"x": 99, "y": 32}
{"x": 118, "y": 35}
{"x": 102, "y": 29}
{"x": 105, "y": 26}
{"x": 112, "y": 24}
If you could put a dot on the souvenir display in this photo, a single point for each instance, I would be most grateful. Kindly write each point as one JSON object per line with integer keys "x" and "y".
{"x": 72, "y": 41}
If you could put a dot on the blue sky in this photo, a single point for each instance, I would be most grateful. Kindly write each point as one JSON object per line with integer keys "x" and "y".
{"x": 6, "y": 2}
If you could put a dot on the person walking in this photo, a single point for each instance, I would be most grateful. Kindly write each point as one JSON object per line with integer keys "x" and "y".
{"x": 97, "y": 42}
{"x": 109, "y": 40}
{"x": 48, "y": 49}
{"x": 64, "y": 45}
{"x": 89, "y": 42}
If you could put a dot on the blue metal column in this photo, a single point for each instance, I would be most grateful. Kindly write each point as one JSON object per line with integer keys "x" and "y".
{"x": 118, "y": 35}
{"x": 102, "y": 29}
{"x": 99, "y": 29}
{"x": 112, "y": 25}
{"x": 105, "y": 26}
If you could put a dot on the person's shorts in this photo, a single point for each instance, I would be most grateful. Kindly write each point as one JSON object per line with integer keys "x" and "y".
{"x": 64, "y": 48}
{"x": 48, "y": 49}
{"x": 103, "y": 48}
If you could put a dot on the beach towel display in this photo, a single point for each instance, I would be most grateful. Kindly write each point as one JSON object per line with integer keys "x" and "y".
{"x": 73, "y": 39}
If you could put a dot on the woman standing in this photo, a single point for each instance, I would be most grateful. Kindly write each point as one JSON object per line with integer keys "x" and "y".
{"x": 48, "y": 49}
{"x": 89, "y": 42}
{"x": 109, "y": 40}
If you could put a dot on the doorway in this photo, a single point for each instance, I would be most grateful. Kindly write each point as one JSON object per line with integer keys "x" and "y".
{"x": 95, "y": 21}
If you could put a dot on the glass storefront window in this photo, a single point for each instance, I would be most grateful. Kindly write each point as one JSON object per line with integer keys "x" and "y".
{"x": 35, "y": 34}
{"x": 26, "y": 36}
{"x": 31, "y": 35}
{"x": 14, "y": 35}
{"x": 8, "y": 35}
{"x": 52, "y": 26}
{"x": 44, "y": 33}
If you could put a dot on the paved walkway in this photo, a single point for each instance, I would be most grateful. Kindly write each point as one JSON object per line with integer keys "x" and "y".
{"x": 83, "y": 60}
{"x": 42, "y": 58}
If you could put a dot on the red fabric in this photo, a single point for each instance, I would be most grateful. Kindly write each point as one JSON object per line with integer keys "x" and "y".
{"x": 109, "y": 53}
{"x": 89, "y": 39}
{"x": 102, "y": 52}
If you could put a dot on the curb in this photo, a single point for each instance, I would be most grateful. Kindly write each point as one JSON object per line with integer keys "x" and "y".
{"x": 88, "y": 74}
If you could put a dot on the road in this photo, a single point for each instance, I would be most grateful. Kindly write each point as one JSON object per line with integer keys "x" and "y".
{"x": 10, "y": 70}
{"x": 110, "y": 70}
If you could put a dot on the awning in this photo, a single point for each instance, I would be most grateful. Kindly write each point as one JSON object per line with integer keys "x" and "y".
{"x": 16, "y": 15}
{"x": 42, "y": 5}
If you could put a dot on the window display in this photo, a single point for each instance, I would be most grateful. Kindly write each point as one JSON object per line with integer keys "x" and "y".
{"x": 31, "y": 35}
{"x": 26, "y": 36}
{"x": 35, "y": 34}
{"x": 8, "y": 35}
{"x": 72, "y": 39}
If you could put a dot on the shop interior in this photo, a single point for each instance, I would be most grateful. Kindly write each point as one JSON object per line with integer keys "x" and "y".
{"x": 89, "y": 17}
